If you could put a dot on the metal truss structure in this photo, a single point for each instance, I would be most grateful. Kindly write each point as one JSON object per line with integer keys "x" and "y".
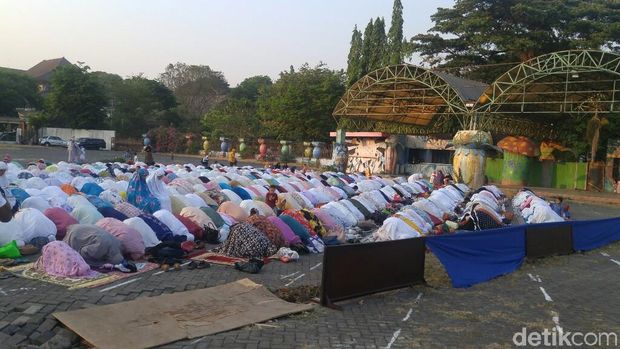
{"x": 531, "y": 99}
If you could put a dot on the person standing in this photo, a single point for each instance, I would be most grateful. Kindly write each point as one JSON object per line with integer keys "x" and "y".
{"x": 5, "y": 189}
{"x": 148, "y": 155}
{"x": 232, "y": 158}
{"x": 70, "y": 150}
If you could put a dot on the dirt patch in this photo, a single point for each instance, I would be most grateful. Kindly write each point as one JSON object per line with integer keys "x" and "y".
{"x": 434, "y": 272}
{"x": 299, "y": 294}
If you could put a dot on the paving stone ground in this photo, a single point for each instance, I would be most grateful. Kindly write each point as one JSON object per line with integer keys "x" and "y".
{"x": 583, "y": 288}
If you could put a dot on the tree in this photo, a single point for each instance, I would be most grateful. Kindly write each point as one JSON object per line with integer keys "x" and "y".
{"x": 197, "y": 88}
{"x": 233, "y": 118}
{"x": 17, "y": 90}
{"x": 237, "y": 115}
{"x": 251, "y": 88}
{"x": 395, "y": 35}
{"x": 367, "y": 47}
{"x": 142, "y": 104}
{"x": 484, "y": 32}
{"x": 378, "y": 41}
{"x": 76, "y": 100}
{"x": 298, "y": 105}
{"x": 354, "y": 68}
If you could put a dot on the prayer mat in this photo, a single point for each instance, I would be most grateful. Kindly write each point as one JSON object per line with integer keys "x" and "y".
{"x": 218, "y": 258}
{"x": 27, "y": 271}
{"x": 153, "y": 321}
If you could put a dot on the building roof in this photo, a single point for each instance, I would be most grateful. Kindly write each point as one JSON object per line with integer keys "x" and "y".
{"x": 468, "y": 90}
{"x": 43, "y": 70}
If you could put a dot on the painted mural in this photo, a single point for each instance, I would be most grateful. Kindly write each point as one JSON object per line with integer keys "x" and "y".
{"x": 366, "y": 153}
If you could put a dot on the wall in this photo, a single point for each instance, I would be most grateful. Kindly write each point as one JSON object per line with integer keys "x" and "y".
{"x": 366, "y": 153}
{"x": 427, "y": 169}
{"x": 567, "y": 175}
{"x": 67, "y": 133}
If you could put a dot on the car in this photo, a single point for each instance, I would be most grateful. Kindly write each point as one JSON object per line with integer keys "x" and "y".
{"x": 50, "y": 141}
{"x": 8, "y": 136}
{"x": 91, "y": 143}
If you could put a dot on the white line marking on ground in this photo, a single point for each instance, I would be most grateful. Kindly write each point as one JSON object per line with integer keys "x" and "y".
{"x": 604, "y": 254}
{"x": 121, "y": 284}
{"x": 547, "y": 298}
{"x": 159, "y": 272}
{"x": 615, "y": 261}
{"x": 417, "y": 299}
{"x": 289, "y": 275}
{"x": 532, "y": 277}
{"x": 186, "y": 263}
{"x": 295, "y": 279}
{"x": 538, "y": 278}
{"x": 316, "y": 266}
{"x": 198, "y": 340}
{"x": 394, "y": 337}
{"x": 556, "y": 321}
{"x": 408, "y": 314}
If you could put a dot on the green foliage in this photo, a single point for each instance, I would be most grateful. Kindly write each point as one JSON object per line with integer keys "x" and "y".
{"x": 375, "y": 49}
{"x": 378, "y": 40}
{"x": 237, "y": 115}
{"x": 298, "y": 106}
{"x": 395, "y": 35}
{"x": 17, "y": 90}
{"x": 354, "y": 59}
{"x": 197, "y": 88}
{"x": 482, "y": 32}
{"x": 251, "y": 88}
{"x": 76, "y": 100}
{"x": 233, "y": 118}
{"x": 37, "y": 120}
{"x": 367, "y": 47}
{"x": 111, "y": 84}
{"x": 141, "y": 104}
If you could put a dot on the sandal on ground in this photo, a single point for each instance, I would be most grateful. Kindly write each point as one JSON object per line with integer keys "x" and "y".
{"x": 203, "y": 265}
{"x": 252, "y": 267}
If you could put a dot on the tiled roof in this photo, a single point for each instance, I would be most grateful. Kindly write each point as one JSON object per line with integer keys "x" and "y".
{"x": 44, "y": 69}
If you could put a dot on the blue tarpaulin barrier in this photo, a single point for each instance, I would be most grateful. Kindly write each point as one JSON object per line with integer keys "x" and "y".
{"x": 588, "y": 235}
{"x": 474, "y": 257}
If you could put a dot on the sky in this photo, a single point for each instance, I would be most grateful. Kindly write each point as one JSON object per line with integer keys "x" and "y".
{"x": 241, "y": 38}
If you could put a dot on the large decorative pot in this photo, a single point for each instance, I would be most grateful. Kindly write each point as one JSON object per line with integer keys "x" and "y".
{"x": 515, "y": 169}
{"x": 518, "y": 154}
{"x": 341, "y": 156}
{"x": 146, "y": 140}
{"x": 225, "y": 145}
{"x": 262, "y": 149}
{"x": 205, "y": 144}
{"x": 316, "y": 151}
{"x": 242, "y": 145}
{"x": 469, "y": 161}
{"x": 307, "y": 150}
{"x": 286, "y": 147}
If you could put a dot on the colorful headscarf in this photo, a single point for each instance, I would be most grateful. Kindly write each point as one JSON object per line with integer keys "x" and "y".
{"x": 139, "y": 195}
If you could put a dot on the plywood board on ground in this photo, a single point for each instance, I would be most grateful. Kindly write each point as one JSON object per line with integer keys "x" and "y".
{"x": 152, "y": 321}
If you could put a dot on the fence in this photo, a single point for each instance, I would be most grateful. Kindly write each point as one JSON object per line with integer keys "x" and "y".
{"x": 468, "y": 257}
{"x": 566, "y": 175}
